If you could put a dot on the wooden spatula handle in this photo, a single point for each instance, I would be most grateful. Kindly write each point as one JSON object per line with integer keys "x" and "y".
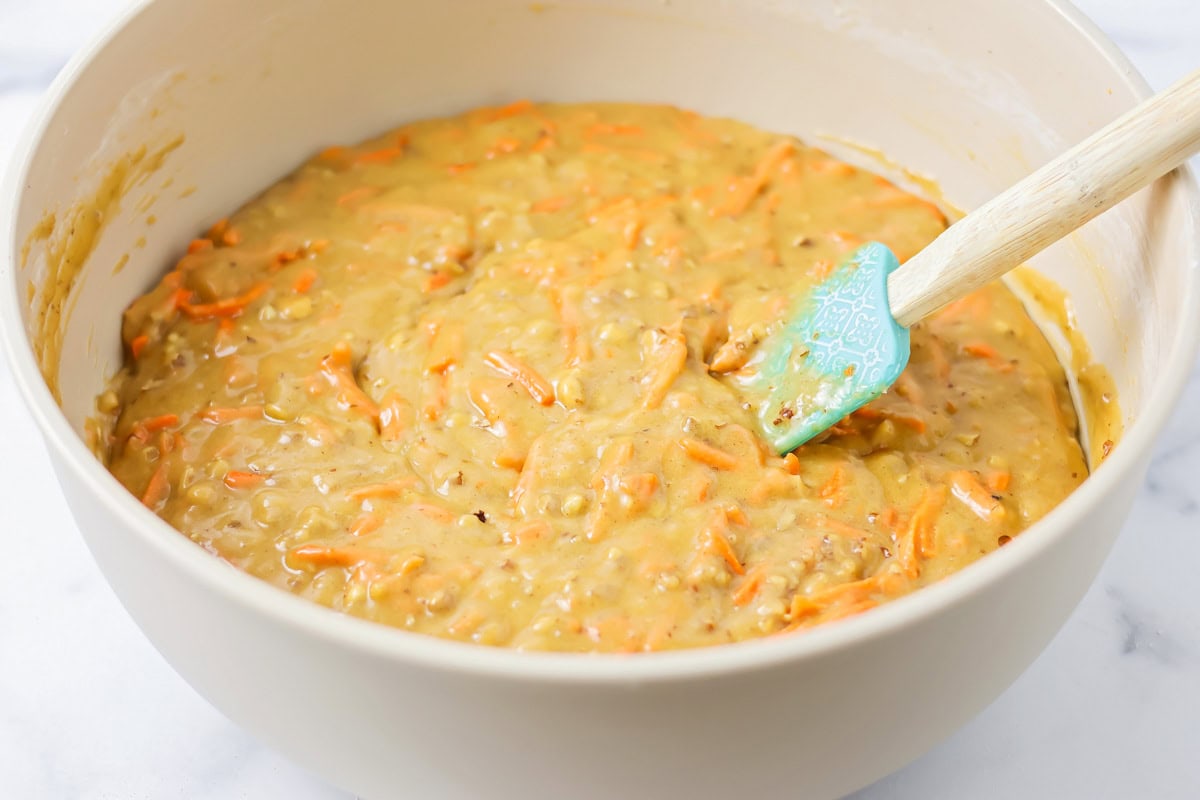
{"x": 1088, "y": 179}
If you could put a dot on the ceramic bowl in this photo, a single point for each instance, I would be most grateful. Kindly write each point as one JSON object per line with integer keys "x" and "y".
{"x": 182, "y": 110}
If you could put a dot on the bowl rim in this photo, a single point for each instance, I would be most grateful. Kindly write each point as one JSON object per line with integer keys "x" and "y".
{"x": 304, "y": 617}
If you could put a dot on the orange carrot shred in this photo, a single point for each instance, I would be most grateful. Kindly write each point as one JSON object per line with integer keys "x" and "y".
{"x": 373, "y": 491}
{"x": 833, "y": 492}
{"x": 974, "y": 495}
{"x": 143, "y": 428}
{"x": 664, "y": 357}
{"x": 304, "y": 281}
{"x": 237, "y": 479}
{"x": 434, "y": 512}
{"x": 512, "y": 367}
{"x": 138, "y": 344}
{"x": 436, "y": 280}
{"x": 229, "y": 307}
{"x": 999, "y": 480}
{"x": 364, "y": 524}
{"x": 717, "y": 544}
{"x": 980, "y": 350}
{"x": 338, "y": 370}
{"x": 707, "y": 454}
{"x": 748, "y": 588}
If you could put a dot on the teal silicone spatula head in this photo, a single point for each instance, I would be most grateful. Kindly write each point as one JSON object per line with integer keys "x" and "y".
{"x": 838, "y": 351}
{"x": 847, "y": 341}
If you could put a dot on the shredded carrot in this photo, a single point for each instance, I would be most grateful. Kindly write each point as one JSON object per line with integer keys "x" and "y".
{"x": 199, "y": 245}
{"x": 534, "y": 460}
{"x": 510, "y": 366}
{"x": 791, "y": 464}
{"x": 237, "y": 479}
{"x": 218, "y": 228}
{"x": 143, "y": 428}
{"x": 434, "y": 512}
{"x": 384, "y": 155}
{"x": 137, "y": 344}
{"x": 999, "y": 480}
{"x": 848, "y": 240}
{"x": 513, "y": 109}
{"x": 974, "y": 495}
{"x": 833, "y": 491}
{"x": 577, "y": 347}
{"x": 613, "y": 129}
{"x": 365, "y": 523}
{"x": 735, "y": 515}
{"x": 922, "y": 529}
{"x": 717, "y": 544}
{"x": 742, "y": 191}
{"x": 395, "y": 415}
{"x": 526, "y": 532}
{"x": 641, "y": 486}
{"x": 664, "y": 355}
{"x": 157, "y": 489}
{"x": 435, "y": 394}
{"x": 435, "y": 281}
{"x": 548, "y": 205}
{"x": 304, "y": 281}
{"x": 355, "y": 196}
{"x": 221, "y": 416}
{"x": 616, "y": 206}
{"x": 229, "y": 307}
{"x": 321, "y": 430}
{"x": 338, "y": 370}
{"x": 843, "y": 600}
{"x": 446, "y": 349}
{"x": 466, "y": 623}
{"x": 286, "y": 256}
{"x": 605, "y": 482}
{"x": 374, "y": 491}
{"x": 707, "y": 454}
{"x": 320, "y": 555}
{"x": 829, "y": 166}
{"x": 505, "y": 145}
{"x": 980, "y": 350}
{"x": 747, "y": 590}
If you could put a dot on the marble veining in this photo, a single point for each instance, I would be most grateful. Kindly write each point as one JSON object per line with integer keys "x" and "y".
{"x": 89, "y": 710}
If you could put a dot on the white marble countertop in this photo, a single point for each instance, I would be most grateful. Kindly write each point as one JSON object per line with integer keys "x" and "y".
{"x": 88, "y": 709}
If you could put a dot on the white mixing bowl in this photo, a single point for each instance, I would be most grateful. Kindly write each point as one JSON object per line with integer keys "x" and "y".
{"x": 973, "y": 93}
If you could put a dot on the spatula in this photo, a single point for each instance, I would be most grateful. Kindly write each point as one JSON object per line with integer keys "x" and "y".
{"x": 847, "y": 341}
